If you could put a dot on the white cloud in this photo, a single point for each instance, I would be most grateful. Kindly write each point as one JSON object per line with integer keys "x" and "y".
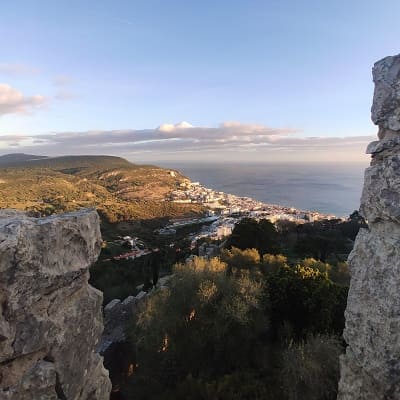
{"x": 230, "y": 140}
{"x": 174, "y": 127}
{"x": 253, "y": 129}
{"x": 13, "y": 101}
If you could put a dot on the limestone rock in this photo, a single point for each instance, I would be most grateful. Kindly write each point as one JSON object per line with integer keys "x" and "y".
{"x": 381, "y": 193}
{"x": 386, "y": 104}
{"x": 370, "y": 369}
{"x": 379, "y": 146}
{"x": 50, "y": 317}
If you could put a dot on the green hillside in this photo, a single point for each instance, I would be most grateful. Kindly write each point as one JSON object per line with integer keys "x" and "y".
{"x": 118, "y": 189}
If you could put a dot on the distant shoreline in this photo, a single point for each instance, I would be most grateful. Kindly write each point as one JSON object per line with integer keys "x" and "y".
{"x": 328, "y": 188}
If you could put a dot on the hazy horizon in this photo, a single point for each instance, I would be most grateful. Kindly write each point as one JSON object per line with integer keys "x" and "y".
{"x": 169, "y": 163}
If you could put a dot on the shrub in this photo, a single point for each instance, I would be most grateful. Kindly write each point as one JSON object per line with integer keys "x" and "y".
{"x": 310, "y": 369}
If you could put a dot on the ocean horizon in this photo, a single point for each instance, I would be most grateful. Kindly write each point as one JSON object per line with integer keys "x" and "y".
{"x": 327, "y": 188}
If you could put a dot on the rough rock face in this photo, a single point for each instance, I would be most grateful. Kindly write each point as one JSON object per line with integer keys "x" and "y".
{"x": 386, "y": 107}
{"x": 50, "y": 317}
{"x": 370, "y": 370}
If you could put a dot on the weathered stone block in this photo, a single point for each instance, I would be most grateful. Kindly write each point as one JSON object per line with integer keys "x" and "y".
{"x": 50, "y": 317}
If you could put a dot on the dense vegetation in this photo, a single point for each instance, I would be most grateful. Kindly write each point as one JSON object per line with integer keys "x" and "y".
{"x": 259, "y": 322}
{"x": 326, "y": 240}
{"x": 119, "y": 278}
{"x": 229, "y": 330}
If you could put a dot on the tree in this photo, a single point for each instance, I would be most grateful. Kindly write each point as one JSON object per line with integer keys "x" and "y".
{"x": 272, "y": 262}
{"x": 206, "y": 322}
{"x": 305, "y": 298}
{"x": 323, "y": 268}
{"x": 238, "y": 259}
{"x": 249, "y": 233}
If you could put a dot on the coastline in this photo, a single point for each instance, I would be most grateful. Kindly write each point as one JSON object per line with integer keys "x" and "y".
{"x": 327, "y": 190}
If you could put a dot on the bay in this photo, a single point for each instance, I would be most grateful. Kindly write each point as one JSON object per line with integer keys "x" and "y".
{"x": 327, "y": 188}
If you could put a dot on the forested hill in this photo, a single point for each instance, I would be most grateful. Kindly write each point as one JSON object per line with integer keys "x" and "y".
{"x": 18, "y": 158}
{"x": 119, "y": 189}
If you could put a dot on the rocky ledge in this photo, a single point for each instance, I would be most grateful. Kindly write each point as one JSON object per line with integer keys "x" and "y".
{"x": 370, "y": 370}
{"x": 50, "y": 317}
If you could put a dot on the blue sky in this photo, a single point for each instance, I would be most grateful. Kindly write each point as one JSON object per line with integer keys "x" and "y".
{"x": 302, "y": 68}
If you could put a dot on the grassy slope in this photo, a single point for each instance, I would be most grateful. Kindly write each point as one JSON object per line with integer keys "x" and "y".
{"x": 120, "y": 190}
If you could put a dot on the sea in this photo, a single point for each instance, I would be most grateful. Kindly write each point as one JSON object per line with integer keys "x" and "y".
{"x": 327, "y": 188}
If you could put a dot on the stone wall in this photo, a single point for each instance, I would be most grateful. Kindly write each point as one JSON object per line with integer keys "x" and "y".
{"x": 370, "y": 370}
{"x": 118, "y": 314}
{"x": 50, "y": 317}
